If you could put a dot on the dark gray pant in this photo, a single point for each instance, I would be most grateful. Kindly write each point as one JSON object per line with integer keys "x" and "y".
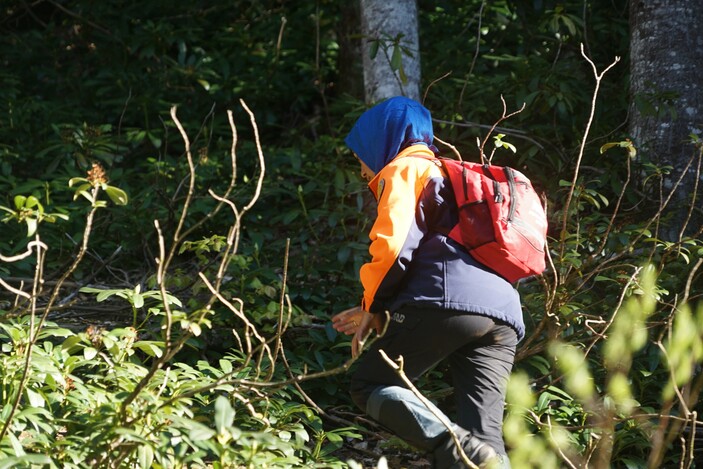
{"x": 480, "y": 352}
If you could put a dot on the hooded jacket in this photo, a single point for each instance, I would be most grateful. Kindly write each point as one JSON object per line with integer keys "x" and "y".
{"x": 412, "y": 261}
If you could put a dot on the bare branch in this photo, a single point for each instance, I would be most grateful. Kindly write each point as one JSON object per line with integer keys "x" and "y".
{"x": 262, "y": 165}
{"x": 36, "y": 243}
{"x": 503, "y": 117}
{"x": 567, "y": 204}
{"x": 398, "y": 367}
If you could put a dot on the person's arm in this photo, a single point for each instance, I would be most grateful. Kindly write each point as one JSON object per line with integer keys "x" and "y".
{"x": 394, "y": 235}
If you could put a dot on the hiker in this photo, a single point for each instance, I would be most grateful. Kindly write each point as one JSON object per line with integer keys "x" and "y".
{"x": 442, "y": 304}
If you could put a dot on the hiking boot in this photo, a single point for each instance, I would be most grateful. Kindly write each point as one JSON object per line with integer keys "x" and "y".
{"x": 446, "y": 455}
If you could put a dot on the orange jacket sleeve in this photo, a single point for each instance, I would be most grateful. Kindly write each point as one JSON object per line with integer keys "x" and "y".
{"x": 397, "y": 188}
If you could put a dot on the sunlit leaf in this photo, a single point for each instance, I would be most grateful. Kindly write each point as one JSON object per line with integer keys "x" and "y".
{"x": 35, "y": 399}
{"x": 20, "y": 201}
{"x": 145, "y": 454}
{"x": 89, "y": 353}
{"x": 73, "y": 181}
{"x": 199, "y": 432}
{"x": 31, "y": 226}
{"x": 150, "y": 348}
{"x": 137, "y": 300}
{"x": 117, "y": 195}
{"x": 224, "y": 414}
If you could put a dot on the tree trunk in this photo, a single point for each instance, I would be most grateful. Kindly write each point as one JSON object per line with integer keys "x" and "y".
{"x": 391, "y": 51}
{"x": 350, "y": 70}
{"x": 666, "y": 53}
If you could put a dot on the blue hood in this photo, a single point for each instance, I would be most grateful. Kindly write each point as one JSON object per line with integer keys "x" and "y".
{"x": 388, "y": 128}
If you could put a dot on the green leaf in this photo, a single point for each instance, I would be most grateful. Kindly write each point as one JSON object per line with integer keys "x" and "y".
{"x": 16, "y": 446}
{"x": 627, "y": 144}
{"x": 105, "y": 294}
{"x": 510, "y": 147}
{"x": 137, "y": 300}
{"x": 498, "y": 141}
{"x": 226, "y": 366}
{"x": 396, "y": 58}
{"x": 224, "y": 414}
{"x": 32, "y": 202}
{"x": 55, "y": 332}
{"x": 570, "y": 25}
{"x": 150, "y": 348}
{"x": 195, "y": 329}
{"x": 145, "y": 453}
{"x": 607, "y": 146}
{"x": 26, "y": 460}
{"x": 70, "y": 343}
{"x": 84, "y": 190}
{"x": 89, "y": 353}
{"x": 31, "y": 226}
{"x": 20, "y": 201}
{"x": 117, "y": 195}
{"x": 172, "y": 300}
{"x": 199, "y": 432}
{"x": 73, "y": 181}
{"x": 374, "y": 49}
{"x": 403, "y": 76}
{"x": 35, "y": 399}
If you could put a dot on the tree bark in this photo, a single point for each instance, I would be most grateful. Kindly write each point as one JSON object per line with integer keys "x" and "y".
{"x": 666, "y": 52}
{"x": 390, "y": 24}
{"x": 351, "y": 74}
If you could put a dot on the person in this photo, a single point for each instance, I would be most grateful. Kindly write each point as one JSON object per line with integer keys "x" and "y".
{"x": 442, "y": 304}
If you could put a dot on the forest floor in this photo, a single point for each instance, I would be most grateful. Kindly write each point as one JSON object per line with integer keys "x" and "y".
{"x": 373, "y": 453}
{"x": 377, "y": 448}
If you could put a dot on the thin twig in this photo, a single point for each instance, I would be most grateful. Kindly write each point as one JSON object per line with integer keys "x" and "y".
{"x": 432, "y": 83}
{"x": 260, "y": 153}
{"x": 567, "y": 204}
{"x": 693, "y": 194}
{"x": 476, "y": 52}
{"x": 165, "y": 259}
{"x": 18, "y": 257}
{"x": 556, "y": 445}
{"x": 623, "y": 295}
{"x": 281, "y": 305}
{"x": 398, "y": 367}
{"x": 689, "y": 280}
{"x": 503, "y": 117}
{"x": 451, "y": 147}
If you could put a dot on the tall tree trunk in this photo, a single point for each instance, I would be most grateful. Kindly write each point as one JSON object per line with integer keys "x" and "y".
{"x": 350, "y": 69}
{"x": 391, "y": 51}
{"x": 666, "y": 53}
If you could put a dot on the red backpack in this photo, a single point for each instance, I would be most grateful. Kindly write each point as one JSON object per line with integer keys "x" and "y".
{"x": 502, "y": 222}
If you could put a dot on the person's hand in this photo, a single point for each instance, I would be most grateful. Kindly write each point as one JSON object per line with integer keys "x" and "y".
{"x": 368, "y": 321}
{"x": 358, "y": 322}
{"x": 348, "y": 321}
